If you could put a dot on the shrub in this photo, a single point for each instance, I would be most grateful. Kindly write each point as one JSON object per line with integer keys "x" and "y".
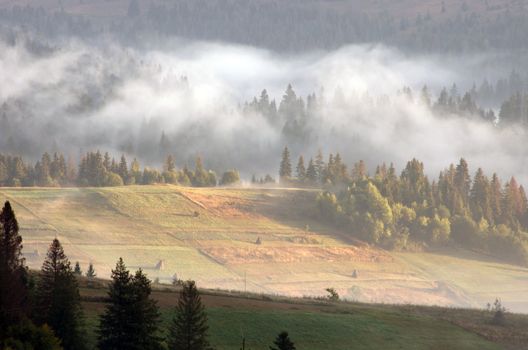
{"x": 332, "y": 294}
{"x": 499, "y": 312}
{"x": 113, "y": 179}
{"x": 230, "y": 177}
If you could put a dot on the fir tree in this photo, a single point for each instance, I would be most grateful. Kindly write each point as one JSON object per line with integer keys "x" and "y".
{"x": 58, "y": 300}
{"x": 170, "y": 165}
{"x": 301, "y": 170}
{"x": 283, "y": 342}
{"x": 319, "y": 165}
{"x": 131, "y": 318}
{"x": 189, "y": 327}
{"x": 311, "y": 172}
{"x": 91, "y": 271}
{"x": 13, "y": 273}
{"x": 115, "y": 328}
{"x": 123, "y": 169}
{"x": 480, "y": 198}
{"x": 285, "y": 170}
{"x": 77, "y": 270}
{"x": 146, "y": 313}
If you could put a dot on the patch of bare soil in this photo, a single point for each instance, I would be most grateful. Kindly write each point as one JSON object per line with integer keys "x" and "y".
{"x": 224, "y": 205}
{"x": 250, "y": 255}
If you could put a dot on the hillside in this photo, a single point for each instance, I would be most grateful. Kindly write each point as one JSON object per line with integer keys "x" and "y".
{"x": 438, "y": 26}
{"x": 210, "y": 235}
{"x": 314, "y": 324}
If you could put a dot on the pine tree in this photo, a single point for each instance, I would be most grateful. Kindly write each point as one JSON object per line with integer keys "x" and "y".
{"x": 319, "y": 165}
{"x": 123, "y": 169}
{"x": 311, "y": 172}
{"x": 301, "y": 170}
{"x": 285, "y": 170}
{"x": 115, "y": 328}
{"x": 91, "y": 271}
{"x": 131, "y": 318}
{"x": 496, "y": 190}
{"x": 77, "y": 270}
{"x": 283, "y": 342}
{"x": 360, "y": 170}
{"x": 146, "y": 312}
{"x": 13, "y": 273}
{"x": 480, "y": 198}
{"x": 463, "y": 180}
{"x": 170, "y": 165}
{"x": 107, "y": 161}
{"x": 189, "y": 327}
{"x": 58, "y": 300}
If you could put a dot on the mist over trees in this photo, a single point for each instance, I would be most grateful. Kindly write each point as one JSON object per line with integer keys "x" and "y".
{"x": 288, "y": 25}
{"x": 193, "y": 101}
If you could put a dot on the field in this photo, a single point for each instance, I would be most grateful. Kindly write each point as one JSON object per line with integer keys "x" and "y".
{"x": 210, "y": 235}
{"x": 318, "y": 325}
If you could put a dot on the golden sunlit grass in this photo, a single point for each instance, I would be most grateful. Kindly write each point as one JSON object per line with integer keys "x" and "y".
{"x": 210, "y": 235}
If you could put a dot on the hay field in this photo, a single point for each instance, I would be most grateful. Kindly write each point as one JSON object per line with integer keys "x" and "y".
{"x": 210, "y": 235}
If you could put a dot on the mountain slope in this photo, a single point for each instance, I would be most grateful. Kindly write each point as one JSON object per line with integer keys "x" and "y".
{"x": 211, "y": 235}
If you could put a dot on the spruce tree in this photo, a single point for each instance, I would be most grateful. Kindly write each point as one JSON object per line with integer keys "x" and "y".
{"x": 319, "y": 164}
{"x": 123, "y": 169}
{"x": 91, "y": 271}
{"x": 131, "y": 318}
{"x": 311, "y": 172}
{"x": 58, "y": 300}
{"x": 283, "y": 342}
{"x": 301, "y": 170}
{"x": 13, "y": 273}
{"x": 146, "y": 312}
{"x": 189, "y": 327}
{"x": 285, "y": 170}
{"x": 77, "y": 270}
{"x": 115, "y": 329}
{"x": 170, "y": 165}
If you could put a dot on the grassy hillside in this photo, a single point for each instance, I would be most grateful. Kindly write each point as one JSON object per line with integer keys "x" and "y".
{"x": 210, "y": 235}
{"x": 319, "y": 325}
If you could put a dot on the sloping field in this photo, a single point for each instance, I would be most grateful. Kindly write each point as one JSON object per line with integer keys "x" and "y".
{"x": 212, "y": 235}
{"x": 319, "y": 325}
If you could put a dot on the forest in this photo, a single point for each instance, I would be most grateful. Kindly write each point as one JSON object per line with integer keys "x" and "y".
{"x": 98, "y": 170}
{"x": 407, "y": 211}
{"x": 446, "y": 26}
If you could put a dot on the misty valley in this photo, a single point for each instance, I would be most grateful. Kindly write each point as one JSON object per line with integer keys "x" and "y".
{"x": 271, "y": 174}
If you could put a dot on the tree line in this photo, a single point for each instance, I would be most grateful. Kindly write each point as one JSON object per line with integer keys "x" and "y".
{"x": 97, "y": 169}
{"x": 399, "y": 211}
{"x": 43, "y": 311}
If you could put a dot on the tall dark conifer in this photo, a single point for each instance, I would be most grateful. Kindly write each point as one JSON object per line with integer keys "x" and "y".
{"x": 58, "y": 301}
{"x": 285, "y": 170}
{"x": 301, "y": 170}
{"x": 131, "y": 319}
{"x": 311, "y": 172}
{"x": 189, "y": 327}
{"x": 146, "y": 314}
{"x": 13, "y": 273}
{"x": 115, "y": 329}
{"x": 283, "y": 342}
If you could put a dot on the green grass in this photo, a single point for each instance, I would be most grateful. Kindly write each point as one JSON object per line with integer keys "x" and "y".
{"x": 338, "y": 331}
{"x": 373, "y": 329}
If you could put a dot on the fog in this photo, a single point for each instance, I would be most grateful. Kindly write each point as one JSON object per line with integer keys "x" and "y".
{"x": 78, "y": 97}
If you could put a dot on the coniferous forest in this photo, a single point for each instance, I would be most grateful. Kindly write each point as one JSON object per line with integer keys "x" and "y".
{"x": 405, "y": 210}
